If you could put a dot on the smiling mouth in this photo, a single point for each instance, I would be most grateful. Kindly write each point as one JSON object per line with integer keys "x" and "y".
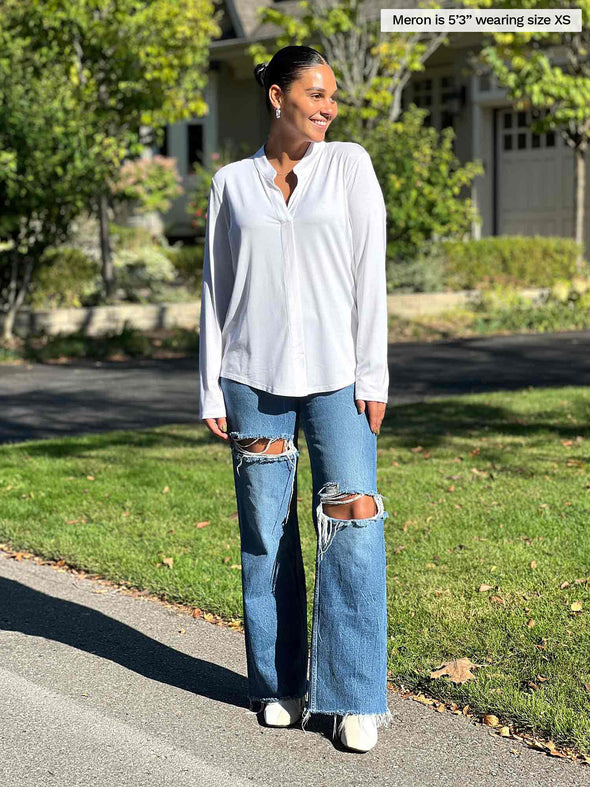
{"x": 320, "y": 123}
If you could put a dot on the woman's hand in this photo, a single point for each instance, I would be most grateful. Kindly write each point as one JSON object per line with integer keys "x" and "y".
{"x": 218, "y": 426}
{"x": 375, "y": 413}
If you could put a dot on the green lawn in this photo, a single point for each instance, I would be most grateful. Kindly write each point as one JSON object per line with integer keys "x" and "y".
{"x": 484, "y": 489}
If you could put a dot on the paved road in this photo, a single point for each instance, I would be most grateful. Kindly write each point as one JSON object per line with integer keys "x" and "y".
{"x": 100, "y": 688}
{"x": 53, "y": 400}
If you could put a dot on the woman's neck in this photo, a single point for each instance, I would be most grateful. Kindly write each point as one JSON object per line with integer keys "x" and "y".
{"x": 285, "y": 152}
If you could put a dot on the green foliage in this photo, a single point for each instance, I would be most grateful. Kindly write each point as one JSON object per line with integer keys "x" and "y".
{"x": 66, "y": 277}
{"x": 49, "y": 163}
{"x": 146, "y": 268}
{"x": 524, "y": 62}
{"x": 148, "y": 183}
{"x": 80, "y": 82}
{"x": 565, "y": 306}
{"x": 424, "y": 273}
{"x": 198, "y": 202}
{"x": 135, "y": 63}
{"x": 422, "y": 182}
{"x": 510, "y": 260}
{"x": 188, "y": 262}
{"x": 143, "y": 267}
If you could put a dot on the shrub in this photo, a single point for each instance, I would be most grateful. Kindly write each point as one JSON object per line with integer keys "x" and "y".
{"x": 509, "y": 260}
{"x": 142, "y": 268}
{"x": 188, "y": 262}
{"x": 148, "y": 183}
{"x": 65, "y": 277}
{"x": 425, "y": 273}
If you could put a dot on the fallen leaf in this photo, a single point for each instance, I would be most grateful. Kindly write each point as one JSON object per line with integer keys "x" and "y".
{"x": 204, "y": 523}
{"x": 533, "y": 564}
{"x": 576, "y": 606}
{"x": 169, "y": 561}
{"x": 530, "y": 623}
{"x": 490, "y": 720}
{"x": 483, "y": 587}
{"x": 165, "y": 490}
{"x": 497, "y": 599}
{"x": 564, "y": 585}
{"x": 458, "y": 670}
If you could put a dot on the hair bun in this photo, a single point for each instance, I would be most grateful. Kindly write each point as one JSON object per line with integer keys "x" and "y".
{"x": 260, "y": 72}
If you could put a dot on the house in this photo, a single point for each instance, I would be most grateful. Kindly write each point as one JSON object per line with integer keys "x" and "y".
{"x": 528, "y": 184}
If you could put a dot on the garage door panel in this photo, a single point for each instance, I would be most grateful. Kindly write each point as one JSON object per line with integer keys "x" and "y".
{"x": 535, "y": 179}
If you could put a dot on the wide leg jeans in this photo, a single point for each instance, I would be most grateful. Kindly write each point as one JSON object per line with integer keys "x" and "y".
{"x": 346, "y": 672}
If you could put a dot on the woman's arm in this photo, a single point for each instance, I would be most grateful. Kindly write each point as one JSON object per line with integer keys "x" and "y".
{"x": 368, "y": 218}
{"x": 218, "y": 280}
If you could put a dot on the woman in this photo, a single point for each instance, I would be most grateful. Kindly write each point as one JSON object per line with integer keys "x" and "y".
{"x": 293, "y": 330}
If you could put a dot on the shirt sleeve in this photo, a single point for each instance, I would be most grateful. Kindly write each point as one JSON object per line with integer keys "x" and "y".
{"x": 218, "y": 280}
{"x": 368, "y": 218}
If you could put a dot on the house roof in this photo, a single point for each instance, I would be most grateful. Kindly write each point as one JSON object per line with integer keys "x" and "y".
{"x": 246, "y": 22}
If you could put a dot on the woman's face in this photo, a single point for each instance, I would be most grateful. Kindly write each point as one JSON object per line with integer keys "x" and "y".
{"x": 309, "y": 106}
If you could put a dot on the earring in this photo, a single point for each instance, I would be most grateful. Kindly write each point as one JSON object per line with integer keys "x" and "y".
{"x": 278, "y": 112}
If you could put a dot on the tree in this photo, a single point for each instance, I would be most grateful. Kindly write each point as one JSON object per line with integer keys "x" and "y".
{"x": 49, "y": 162}
{"x": 549, "y": 73}
{"x": 134, "y": 65}
{"x": 372, "y": 68}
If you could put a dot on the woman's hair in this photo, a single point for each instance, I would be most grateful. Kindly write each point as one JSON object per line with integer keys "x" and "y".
{"x": 285, "y": 67}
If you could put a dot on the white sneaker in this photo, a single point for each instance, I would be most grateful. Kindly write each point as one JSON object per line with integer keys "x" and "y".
{"x": 283, "y": 713}
{"x": 358, "y": 732}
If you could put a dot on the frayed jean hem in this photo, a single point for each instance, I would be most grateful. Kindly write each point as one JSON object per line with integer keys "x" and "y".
{"x": 382, "y": 720}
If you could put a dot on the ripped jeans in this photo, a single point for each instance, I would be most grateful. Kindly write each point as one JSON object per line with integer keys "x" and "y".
{"x": 348, "y": 655}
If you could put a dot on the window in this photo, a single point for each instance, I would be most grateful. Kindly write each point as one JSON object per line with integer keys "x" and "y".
{"x": 194, "y": 145}
{"x": 163, "y": 149}
{"x": 517, "y": 134}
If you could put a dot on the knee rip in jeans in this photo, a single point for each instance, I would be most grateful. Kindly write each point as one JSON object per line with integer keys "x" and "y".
{"x": 329, "y": 525}
{"x": 268, "y": 449}
{"x": 263, "y": 449}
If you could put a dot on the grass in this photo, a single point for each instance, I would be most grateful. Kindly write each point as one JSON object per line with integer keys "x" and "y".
{"x": 486, "y": 489}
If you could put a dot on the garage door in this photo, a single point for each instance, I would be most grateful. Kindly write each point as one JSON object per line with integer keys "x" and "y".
{"x": 535, "y": 179}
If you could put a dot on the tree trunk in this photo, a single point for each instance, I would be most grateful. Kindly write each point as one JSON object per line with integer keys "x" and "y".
{"x": 16, "y": 297}
{"x": 108, "y": 273}
{"x": 579, "y": 195}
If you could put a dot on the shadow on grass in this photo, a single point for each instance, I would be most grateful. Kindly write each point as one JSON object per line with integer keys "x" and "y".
{"x": 430, "y": 424}
{"x": 86, "y": 444}
{"x": 432, "y": 421}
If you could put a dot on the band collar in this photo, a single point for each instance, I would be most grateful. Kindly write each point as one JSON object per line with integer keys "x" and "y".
{"x": 266, "y": 169}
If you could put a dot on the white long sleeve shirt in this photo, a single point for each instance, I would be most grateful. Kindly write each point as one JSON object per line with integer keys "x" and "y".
{"x": 294, "y": 297}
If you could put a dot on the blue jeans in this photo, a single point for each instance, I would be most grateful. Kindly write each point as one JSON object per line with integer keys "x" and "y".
{"x": 348, "y": 658}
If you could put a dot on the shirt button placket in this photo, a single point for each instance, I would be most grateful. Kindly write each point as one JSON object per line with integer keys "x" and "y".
{"x": 294, "y": 310}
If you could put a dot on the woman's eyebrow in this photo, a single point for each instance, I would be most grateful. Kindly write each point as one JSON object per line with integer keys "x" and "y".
{"x": 322, "y": 90}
